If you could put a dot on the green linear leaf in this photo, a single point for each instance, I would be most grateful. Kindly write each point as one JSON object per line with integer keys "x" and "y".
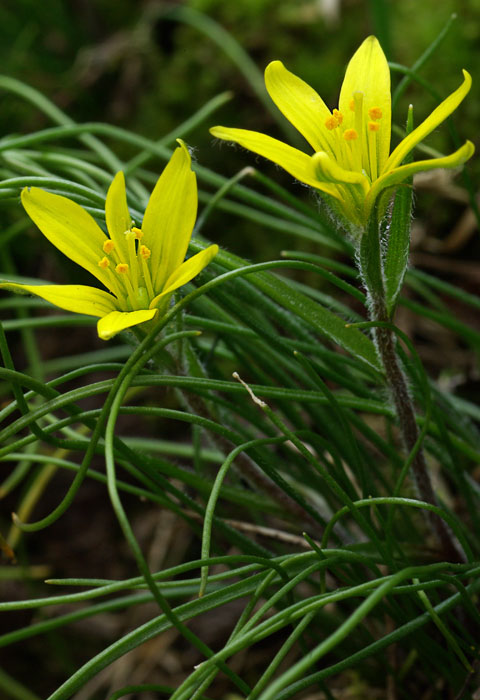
{"x": 319, "y": 318}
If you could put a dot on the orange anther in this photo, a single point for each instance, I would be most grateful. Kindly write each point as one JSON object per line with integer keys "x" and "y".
{"x": 108, "y": 246}
{"x": 122, "y": 268}
{"x": 338, "y": 115}
{"x": 375, "y": 113}
{"x": 145, "y": 252}
{"x": 331, "y": 123}
{"x": 350, "y": 135}
{"x": 138, "y": 232}
{"x": 351, "y": 104}
{"x": 373, "y": 126}
{"x": 104, "y": 263}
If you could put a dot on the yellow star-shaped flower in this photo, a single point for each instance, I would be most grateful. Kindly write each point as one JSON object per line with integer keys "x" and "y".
{"x": 351, "y": 163}
{"x": 139, "y": 267}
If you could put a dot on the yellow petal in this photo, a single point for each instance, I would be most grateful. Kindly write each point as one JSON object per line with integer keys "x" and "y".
{"x": 355, "y": 185}
{"x": 69, "y": 227}
{"x": 117, "y": 321}
{"x": 368, "y": 73}
{"x": 72, "y": 297}
{"x": 189, "y": 269}
{"x": 403, "y": 172}
{"x": 170, "y": 216}
{"x": 326, "y": 168}
{"x": 301, "y": 105}
{"x": 117, "y": 215}
{"x": 295, "y": 162}
{"x": 438, "y": 115}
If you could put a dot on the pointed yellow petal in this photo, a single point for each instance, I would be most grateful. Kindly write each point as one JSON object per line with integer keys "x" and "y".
{"x": 295, "y": 162}
{"x": 117, "y": 321}
{"x": 189, "y": 269}
{"x": 368, "y": 73}
{"x": 326, "y": 168}
{"x": 69, "y": 227}
{"x": 117, "y": 215}
{"x": 352, "y": 185}
{"x": 301, "y": 105}
{"x": 72, "y": 297}
{"x": 438, "y": 115}
{"x": 403, "y": 172}
{"x": 170, "y": 216}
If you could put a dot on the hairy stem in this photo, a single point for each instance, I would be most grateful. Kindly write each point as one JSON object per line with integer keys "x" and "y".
{"x": 398, "y": 386}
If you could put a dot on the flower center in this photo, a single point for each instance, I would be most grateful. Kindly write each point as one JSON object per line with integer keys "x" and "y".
{"x": 131, "y": 281}
{"x": 357, "y": 145}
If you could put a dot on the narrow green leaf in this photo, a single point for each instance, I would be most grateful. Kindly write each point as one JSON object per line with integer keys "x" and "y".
{"x": 321, "y": 319}
{"x": 420, "y": 62}
{"x": 449, "y": 637}
{"x": 316, "y": 316}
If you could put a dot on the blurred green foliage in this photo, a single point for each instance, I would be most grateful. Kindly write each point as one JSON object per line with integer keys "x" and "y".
{"x": 137, "y": 66}
{"x": 130, "y": 64}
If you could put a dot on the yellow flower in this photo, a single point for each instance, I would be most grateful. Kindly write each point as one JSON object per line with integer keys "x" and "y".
{"x": 139, "y": 267}
{"x": 351, "y": 163}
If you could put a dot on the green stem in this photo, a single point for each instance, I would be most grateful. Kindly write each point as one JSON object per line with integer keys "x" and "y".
{"x": 398, "y": 386}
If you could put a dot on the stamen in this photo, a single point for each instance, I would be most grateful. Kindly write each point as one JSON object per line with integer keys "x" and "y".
{"x": 373, "y": 127}
{"x": 350, "y": 135}
{"x": 338, "y": 115}
{"x": 113, "y": 283}
{"x": 360, "y": 155}
{"x": 340, "y": 151}
{"x": 131, "y": 237}
{"x": 145, "y": 252}
{"x": 375, "y": 113}
{"x": 108, "y": 246}
{"x": 331, "y": 123}
{"x": 138, "y": 233}
{"x": 123, "y": 269}
{"x": 144, "y": 256}
{"x": 355, "y": 136}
